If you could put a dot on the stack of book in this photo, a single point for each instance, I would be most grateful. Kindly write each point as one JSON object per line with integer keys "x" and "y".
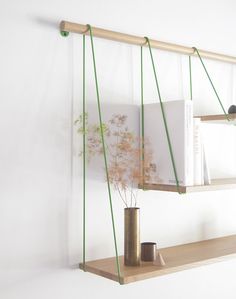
{"x": 186, "y": 140}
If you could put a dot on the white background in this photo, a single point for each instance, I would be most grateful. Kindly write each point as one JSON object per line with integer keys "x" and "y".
{"x": 40, "y": 177}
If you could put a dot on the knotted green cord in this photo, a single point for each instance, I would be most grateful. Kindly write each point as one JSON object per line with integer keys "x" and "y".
{"x": 164, "y": 118}
{"x": 84, "y": 157}
{"x": 104, "y": 152}
{"x": 204, "y": 67}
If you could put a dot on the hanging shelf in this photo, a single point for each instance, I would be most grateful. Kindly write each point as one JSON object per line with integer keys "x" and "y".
{"x": 219, "y": 118}
{"x": 216, "y": 184}
{"x": 177, "y": 258}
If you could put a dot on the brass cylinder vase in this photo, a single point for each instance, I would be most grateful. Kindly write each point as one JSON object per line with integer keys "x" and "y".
{"x": 132, "y": 237}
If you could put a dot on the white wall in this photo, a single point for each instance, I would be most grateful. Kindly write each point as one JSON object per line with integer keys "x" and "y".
{"x": 40, "y": 203}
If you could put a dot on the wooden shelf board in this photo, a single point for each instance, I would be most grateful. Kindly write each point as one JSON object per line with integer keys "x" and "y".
{"x": 216, "y": 184}
{"x": 219, "y": 118}
{"x": 177, "y": 258}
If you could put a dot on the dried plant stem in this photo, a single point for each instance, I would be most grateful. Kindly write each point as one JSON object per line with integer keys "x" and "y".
{"x": 118, "y": 189}
{"x": 117, "y": 186}
{"x": 134, "y": 196}
{"x": 131, "y": 191}
{"x": 131, "y": 198}
{"x": 126, "y": 163}
{"x": 125, "y": 195}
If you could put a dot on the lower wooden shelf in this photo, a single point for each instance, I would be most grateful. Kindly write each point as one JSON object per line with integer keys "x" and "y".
{"x": 216, "y": 184}
{"x": 177, "y": 258}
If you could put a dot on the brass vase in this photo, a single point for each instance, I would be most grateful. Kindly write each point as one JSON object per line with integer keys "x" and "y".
{"x": 132, "y": 237}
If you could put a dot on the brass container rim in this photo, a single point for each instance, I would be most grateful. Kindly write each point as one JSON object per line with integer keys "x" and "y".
{"x": 148, "y": 243}
{"x": 132, "y": 208}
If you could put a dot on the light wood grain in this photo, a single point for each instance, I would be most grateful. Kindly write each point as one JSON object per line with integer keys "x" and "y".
{"x": 216, "y": 184}
{"x": 218, "y": 118}
{"x": 177, "y": 258}
{"x": 138, "y": 40}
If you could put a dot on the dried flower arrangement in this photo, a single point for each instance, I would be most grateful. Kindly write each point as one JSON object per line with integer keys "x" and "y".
{"x": 126, "y": 168}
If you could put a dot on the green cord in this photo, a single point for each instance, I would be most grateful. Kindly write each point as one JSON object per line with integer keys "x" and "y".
{"x": 64, "y": 33}
{"x": 190, "y": 78}
{"x": 164, "y": 118}
{"x": 104, "y": 152}
{"x": 84, "y": 156}
{"x": 142, "y": 119}
{"x": 226, "y": 115}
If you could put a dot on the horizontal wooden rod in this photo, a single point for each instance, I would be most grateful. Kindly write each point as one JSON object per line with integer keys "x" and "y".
{"x": 137, "y": 40}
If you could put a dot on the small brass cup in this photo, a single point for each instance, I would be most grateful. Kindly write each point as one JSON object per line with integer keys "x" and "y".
{"x": 148, "y": 251}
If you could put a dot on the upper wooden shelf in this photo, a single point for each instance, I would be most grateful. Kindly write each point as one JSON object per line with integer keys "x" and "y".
{"x": 177, "y": 258}
{"x": 216, "y": 184}
{"x": 219, "y": 118}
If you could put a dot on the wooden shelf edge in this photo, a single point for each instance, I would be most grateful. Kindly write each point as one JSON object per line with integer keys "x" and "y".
{"x": 101, "y": 272}
{"x": 161, "y": 187}
{"x": 216, "y": 185}
{"x": 177, "y": 258}
{"x": 217, "y": 118}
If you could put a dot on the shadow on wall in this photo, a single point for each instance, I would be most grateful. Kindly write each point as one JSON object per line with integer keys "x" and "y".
{"x": 45, "y": 22}
{"x": 209, "y": 226}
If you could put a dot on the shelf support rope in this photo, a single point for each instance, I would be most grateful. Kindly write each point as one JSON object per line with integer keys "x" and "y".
{"x": 209, "y": 78}
{"x": 104, "y": 152}
{"x": 164, "y": 118}
{"x": 84, "y": 158}
{"x": 142, "y": 120}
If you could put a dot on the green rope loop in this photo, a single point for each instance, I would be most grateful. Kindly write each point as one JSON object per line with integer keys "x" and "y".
{"x": 104, "y": 152}
{"x": 213, "y": 87}
{"x": 164, "y": 117}
{"x": 84, "y": 157}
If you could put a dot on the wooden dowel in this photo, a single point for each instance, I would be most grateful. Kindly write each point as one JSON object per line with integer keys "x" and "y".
{"x": 137, "y": 40}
